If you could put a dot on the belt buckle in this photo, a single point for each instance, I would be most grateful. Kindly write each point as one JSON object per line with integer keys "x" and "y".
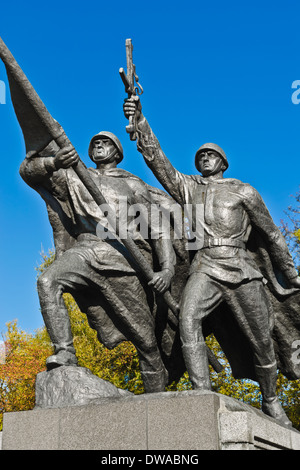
{"x": 214, "y": 242}
{"x": 217, "y": 242}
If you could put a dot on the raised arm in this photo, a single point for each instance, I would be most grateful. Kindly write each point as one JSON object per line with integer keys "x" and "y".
{"x": 147, "y": 144}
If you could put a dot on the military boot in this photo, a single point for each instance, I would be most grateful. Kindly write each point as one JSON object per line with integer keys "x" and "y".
{"x": 154, "y": 381}
{"x": 267, "y": 378}
{"x": 59, "y": 328}
{"x": 196, "y": 361}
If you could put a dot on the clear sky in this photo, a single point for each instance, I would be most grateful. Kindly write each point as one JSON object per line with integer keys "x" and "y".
{"x": 211, "y": 71}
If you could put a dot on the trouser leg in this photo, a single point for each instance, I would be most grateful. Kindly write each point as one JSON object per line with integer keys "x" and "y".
{"x": 153, "y": 371}
{"x": 51, "y": 286}
{"x": 129, "y": 305}
{"x": 138, "y": 300}
{"x": 201, "y": 296}
{"x": 56, "y": 316}
{"x": 250, "y": 306}
{"x": 250, "y": 303}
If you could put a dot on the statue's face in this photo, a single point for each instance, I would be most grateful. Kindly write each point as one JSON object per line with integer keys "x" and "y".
{"x": 210, "y": 162}
{"x": 102, "y": 149}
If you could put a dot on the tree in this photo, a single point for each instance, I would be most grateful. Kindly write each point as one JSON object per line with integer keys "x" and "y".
{"x": 25, "y": 357}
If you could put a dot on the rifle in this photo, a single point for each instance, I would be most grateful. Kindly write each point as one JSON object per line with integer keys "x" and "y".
{"x": 129, "y": 81}
{"x": 130, "y": 88}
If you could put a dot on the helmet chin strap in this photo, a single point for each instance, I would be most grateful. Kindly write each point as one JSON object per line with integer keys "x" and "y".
{"x": 219, "y": 167}
{"x": 106, "y": 159}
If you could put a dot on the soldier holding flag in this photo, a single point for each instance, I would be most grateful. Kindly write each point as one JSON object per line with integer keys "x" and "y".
{"x": 106, "y": 277}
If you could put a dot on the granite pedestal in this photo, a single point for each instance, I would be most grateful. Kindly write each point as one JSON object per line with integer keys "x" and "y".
{"x": 174, "y": 421}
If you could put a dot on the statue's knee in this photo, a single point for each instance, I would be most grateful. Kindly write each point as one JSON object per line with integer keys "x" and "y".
{"x": 45, "y": 282}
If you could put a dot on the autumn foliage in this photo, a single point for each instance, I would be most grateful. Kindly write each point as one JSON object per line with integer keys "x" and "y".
{"x": 25, "y": 356}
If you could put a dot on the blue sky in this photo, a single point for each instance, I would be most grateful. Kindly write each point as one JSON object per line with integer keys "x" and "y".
{"x": 211, "y": 71}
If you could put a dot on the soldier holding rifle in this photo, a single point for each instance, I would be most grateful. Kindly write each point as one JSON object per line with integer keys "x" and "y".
{"x": 225, "y": 276}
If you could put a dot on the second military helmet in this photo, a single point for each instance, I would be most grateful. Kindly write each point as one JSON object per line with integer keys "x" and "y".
{"x": 113, "y": 138}
{"x": 215, "y": 148}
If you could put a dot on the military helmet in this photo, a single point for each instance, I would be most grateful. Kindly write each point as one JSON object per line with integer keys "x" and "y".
{"x": 215, "y": 148}
{"x": 113, "y": 138}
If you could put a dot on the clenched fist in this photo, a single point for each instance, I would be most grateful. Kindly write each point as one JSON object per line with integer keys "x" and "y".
{"x": 161, "y": 281}
{"x": 132, "y": 107}
{"x": 66, "y": 158}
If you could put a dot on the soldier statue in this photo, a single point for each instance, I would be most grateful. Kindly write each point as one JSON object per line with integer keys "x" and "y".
{"x": 225, "y": 274}
{"x": 99, "y": 272}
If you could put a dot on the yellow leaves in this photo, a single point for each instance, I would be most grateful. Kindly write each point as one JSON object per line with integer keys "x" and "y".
{"x": 224, "y": 383}
{"x": 297, "y": 234}
{"x": 25, "y": 358}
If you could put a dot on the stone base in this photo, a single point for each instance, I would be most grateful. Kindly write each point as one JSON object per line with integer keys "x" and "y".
{"x": 174, "y": 421}
{"x": 69, "y": 386}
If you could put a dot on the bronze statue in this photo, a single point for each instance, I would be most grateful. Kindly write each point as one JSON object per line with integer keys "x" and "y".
{"x": 120, "y": 283}
{"x": 240, "y": 251}
{"x": 242, "y": 284}
{"x": 99, "y": 273}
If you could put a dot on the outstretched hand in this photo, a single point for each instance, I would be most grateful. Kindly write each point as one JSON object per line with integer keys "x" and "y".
{"x": 66, "y": 157}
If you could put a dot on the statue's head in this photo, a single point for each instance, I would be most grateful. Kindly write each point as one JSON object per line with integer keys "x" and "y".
{"x": 105, "y": 147}
{"x": 210, "y": 159}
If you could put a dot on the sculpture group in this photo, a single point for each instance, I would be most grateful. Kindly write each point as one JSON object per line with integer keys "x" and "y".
{"x": 231, "y": 274}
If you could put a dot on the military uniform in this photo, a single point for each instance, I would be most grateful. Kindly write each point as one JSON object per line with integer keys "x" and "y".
{"x": 100, "y": 273}
{"x": 222, "y": 270}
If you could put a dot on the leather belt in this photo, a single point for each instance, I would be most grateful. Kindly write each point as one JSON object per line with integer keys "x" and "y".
{"x": 212, "y": 242}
